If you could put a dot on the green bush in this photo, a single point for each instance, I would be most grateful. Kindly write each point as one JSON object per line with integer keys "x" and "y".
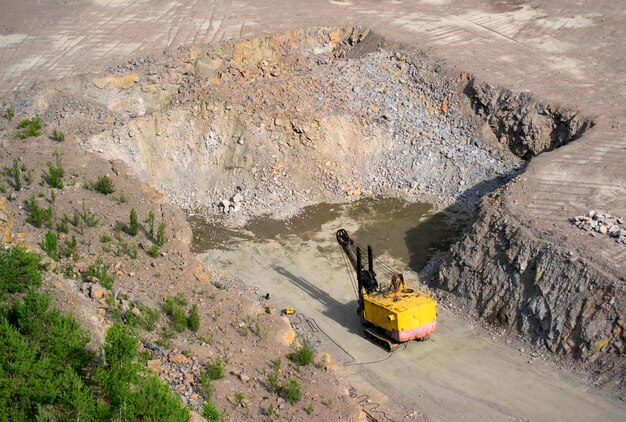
{"x": 19, "y": 270}
{"x": 57, "y": 136}
{"x": 50, "y": 244}
{"x": 292, "y": 392}
{"x": 105, "y": 238}
{"x": 193, "y": 320}
{"x": 304, "y": 354}
{"x": 38, "y": 216}
{"x": 104, "y": 185}
{"x": 121, "y": 369}
{"x": 154, "y": 401}
{"x": 16, "y": 172}
{"x": 63, "y": 226}
{"x": 29, "y": 127}
{"x": 100, "y": 270}
{"x": 56, "y": 172}
{"x": 133, "y": 227}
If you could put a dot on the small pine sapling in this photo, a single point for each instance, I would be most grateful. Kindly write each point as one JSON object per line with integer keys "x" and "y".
{"x": 133, "y": 227}
{"x": 150, "y": 221}
{"x": 161, "y": 237}
{"x": 16, "y": 172}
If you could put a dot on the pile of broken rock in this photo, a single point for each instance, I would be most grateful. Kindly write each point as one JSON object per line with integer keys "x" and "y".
{"x": 601, "y": 222}
{"x": 232, "y": 206}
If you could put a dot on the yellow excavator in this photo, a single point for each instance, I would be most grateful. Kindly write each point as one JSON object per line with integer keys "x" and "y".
{"x": 392, "y": 313}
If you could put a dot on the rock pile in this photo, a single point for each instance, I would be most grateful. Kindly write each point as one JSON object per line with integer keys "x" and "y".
{"x": 601, "y": 222}
{"x": 179, "y": 371}
{"x": 233, "y": 205}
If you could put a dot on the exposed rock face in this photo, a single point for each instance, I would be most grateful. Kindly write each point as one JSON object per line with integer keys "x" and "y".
{"x": 526, "y": 125}
{"x": 521, "y": 282}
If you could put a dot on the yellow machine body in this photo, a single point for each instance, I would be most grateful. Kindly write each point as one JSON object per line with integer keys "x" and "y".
{"x": 405, "y": 315}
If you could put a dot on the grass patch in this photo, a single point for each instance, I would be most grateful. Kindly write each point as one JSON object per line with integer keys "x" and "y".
{"x": 175, "y": 311}
{"x": 57, "y": 136}
{"x": 9, "y": 113}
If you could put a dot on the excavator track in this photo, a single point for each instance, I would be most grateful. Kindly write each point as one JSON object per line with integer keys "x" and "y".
{"x": 380, "y": 339}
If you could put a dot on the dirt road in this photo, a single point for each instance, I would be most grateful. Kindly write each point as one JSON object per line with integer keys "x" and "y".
{"x": 462, "y": 373}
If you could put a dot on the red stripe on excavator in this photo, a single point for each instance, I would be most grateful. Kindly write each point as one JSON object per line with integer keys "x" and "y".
{"x": 415, "y": 333}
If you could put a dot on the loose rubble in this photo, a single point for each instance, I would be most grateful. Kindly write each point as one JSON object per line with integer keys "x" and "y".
{"x": 603, "y": 223}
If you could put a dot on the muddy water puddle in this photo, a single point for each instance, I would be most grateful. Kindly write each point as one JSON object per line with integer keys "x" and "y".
{"x": 409, "y": 232}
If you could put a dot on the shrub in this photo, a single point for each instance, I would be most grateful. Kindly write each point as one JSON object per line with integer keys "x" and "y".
{"x": 161, "y": 237}
{"x": 153, "y": 251}
{"x": 49, "y": 245}
{"x": 303, "y": 355}
{"x": 100, "y": 270}
{"x": 292, "y": 392}
{"x": 133, "y": 227}
{"x": 56, "y": 172}
{"x": 29, "y": 127}
{"x": 38, "y": 216}
{"x": 154, "y": 401}
{"x": 104, "y": 185}
{"x": 57, "y": 135}
{"x": 193, "y": 320}
{"x": 121, "y": 369}
{"x": 9, "y": 113}
{"x": 105, "y": 238}
{"x": 16, "y": 172}
{"x": 211, "y": 413}
{"x": 19, "y": 270}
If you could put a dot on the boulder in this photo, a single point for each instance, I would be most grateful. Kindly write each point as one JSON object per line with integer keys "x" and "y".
{"x": 97, "y": 291}
{"x": 180, "y": 359}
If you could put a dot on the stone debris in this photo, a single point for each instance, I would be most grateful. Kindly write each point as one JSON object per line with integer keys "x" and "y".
{"x": 180, "y": 372}
{"x": 603, "y": 223}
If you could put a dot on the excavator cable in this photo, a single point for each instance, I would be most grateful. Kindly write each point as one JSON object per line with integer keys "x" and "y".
{"x": 363, "y": 400}
{"x": 350, "y": 274}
